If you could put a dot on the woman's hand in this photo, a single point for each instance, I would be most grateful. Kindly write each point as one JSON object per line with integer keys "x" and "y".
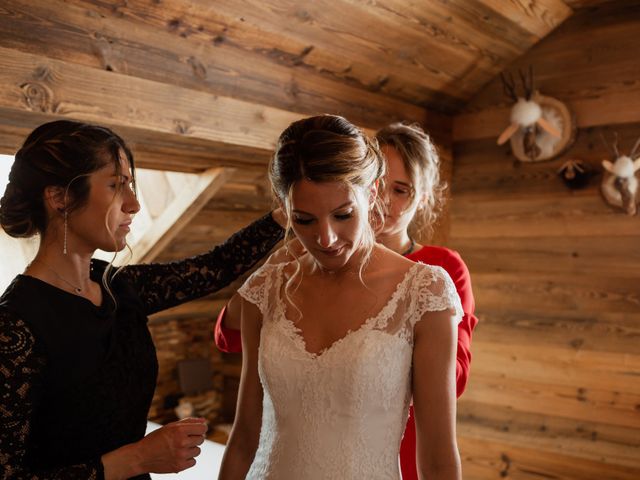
{"x": 169, "y": 449}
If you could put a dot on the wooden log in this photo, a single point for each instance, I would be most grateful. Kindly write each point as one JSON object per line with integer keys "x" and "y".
{"x": 155, "y": 150}
{"x": 592, "y": 439}
{"x": 38, "y": 84}
{"x": 579, "y": 403}
{"x": 486, "y": 459}
{"x": 576, "y": 331}
{"x": 174, "y": 43}
{"x": 583, "y": 369}
{"x": 543, "y": 292}
{"x": 585, "y": 255}
{"x": 532, "y": 216}
{"x": 302, "y": 37}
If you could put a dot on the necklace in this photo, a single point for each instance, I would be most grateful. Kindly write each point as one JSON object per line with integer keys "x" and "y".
{"x": 411, "y": 247}
{"x": 76, "y": 289}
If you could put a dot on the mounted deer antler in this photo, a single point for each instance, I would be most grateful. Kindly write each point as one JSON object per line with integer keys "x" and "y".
{"x": 540, "y": 126}
{"x": 619, "y": 183}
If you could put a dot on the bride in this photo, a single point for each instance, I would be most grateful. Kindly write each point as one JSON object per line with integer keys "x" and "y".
{"x": 338, "y": 341}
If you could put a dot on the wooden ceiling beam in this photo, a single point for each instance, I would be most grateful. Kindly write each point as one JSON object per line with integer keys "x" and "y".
{"x": 155, "y": 42}
{"x": 182, "y": 210}
{"x": 153, "y": 150}
{"x": 42, "y": 85}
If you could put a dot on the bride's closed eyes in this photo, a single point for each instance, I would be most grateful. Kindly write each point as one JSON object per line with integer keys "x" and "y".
{"x": 342, "y": 216}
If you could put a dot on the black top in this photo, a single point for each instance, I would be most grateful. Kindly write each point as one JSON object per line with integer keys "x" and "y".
{"x": 76, "y": 380}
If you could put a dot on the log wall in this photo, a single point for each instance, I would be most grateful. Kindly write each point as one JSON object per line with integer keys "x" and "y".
{"x": 555, "y": 388}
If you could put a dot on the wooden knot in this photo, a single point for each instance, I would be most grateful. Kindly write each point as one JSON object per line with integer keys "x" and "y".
{"x": 198, "y": 68}
{"x": 181, "y": 126}
{"x": 37, "y": 97}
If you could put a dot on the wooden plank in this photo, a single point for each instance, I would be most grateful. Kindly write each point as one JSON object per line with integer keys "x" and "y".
{"x": 552, "y": 292}
{"x": 610, "y": 444}
{"x": 538, "y": 18}
{"x": 583, "y": 369}
{"x": 155, "y": 150}
{"x": 156, "y": 42}
{"x": 178, "y": 214}
{"x": 38, "y": 84}
{"x": 551, "y": 216}
{"x": 613, "y": 108}
{"x": 486, "y": 459}
{"x": 593, "y": 255}
{"x": 484, "y": 170}
{"x": 610, "y": 407}
{"x": 577, "y": 331}
{"x": 597, "y": 80}
{"x": 320, "y": 37}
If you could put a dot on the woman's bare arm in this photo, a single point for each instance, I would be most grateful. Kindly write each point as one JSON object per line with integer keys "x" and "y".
{"x": 434, "y": 396}
{"x": 245, "y": 434}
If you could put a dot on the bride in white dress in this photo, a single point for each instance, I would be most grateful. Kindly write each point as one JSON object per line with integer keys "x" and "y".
{"x": 337, "y": 342}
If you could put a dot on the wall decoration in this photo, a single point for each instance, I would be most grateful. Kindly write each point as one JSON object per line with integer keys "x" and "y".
{"x": 541, "y": 127}
{"x": 575, "y": 173}
{"x": 619, "y": 185}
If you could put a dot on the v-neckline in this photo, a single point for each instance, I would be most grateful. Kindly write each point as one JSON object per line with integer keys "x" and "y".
{"x": 296, "y": 331}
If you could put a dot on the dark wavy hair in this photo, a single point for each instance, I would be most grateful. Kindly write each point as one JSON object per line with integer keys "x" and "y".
{"x": 62, "y": 154}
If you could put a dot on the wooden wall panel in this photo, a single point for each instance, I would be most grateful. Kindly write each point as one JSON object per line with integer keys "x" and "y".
{"x": 187, "y": 46}
{"x": 554, "y": 389}
{"x": 592, "y": 72}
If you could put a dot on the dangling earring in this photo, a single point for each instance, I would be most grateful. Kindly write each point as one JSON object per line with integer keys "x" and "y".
{"x": 64, "y": 244}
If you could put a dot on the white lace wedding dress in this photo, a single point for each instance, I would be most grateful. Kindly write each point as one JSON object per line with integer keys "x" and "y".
{"x": 339, "y": 414}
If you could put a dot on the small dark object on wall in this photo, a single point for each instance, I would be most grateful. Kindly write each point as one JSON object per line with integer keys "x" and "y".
{"x": 575, "y": 174}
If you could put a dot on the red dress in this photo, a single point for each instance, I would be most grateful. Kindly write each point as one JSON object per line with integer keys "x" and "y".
{"x": 229, "y": 340}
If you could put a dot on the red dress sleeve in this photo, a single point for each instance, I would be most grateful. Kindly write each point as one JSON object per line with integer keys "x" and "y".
{"x": 227, "y": 340}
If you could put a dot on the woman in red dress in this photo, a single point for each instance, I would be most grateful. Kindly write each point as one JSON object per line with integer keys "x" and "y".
{"x": 413, "y": 198}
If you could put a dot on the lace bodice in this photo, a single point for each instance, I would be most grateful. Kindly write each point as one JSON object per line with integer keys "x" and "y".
{"x": 339, "y": 413}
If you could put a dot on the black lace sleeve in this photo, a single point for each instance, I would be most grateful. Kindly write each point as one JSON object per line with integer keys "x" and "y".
{"x": 162, "y": 286}
{"x": 21, "y": 372}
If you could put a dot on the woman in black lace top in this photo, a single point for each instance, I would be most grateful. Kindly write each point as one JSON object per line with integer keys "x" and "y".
{"x": 77, "y": 364}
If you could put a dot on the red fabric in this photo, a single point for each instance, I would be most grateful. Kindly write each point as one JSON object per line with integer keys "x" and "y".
{"x": 457, "y": 270}
{"x": 229, "y": 340}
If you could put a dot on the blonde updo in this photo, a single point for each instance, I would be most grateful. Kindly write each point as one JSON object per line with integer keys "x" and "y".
{"x": 422, "y": 163}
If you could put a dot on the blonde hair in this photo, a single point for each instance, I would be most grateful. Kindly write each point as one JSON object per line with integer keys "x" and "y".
{"x": 422, "y": 162}
{"x": 327, "y": 148}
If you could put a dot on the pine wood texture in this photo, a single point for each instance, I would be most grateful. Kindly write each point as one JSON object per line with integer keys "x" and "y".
{"x": 592, "y": 73}
{"x": 554, "y": 389}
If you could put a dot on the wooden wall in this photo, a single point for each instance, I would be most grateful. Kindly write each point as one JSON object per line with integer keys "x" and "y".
{"x": 555, "y": 377}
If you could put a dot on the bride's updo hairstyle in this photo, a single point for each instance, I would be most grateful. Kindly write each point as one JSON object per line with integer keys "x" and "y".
{"x": 62, "y": 154}
{"x": 328, "y": 148}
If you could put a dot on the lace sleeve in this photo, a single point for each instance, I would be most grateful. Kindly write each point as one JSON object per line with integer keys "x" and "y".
{"x": 21, "y": 373}
{"x": 161, "y": 286}
{"x": 436, "y": 292}
{"x": 257, "y": 287}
